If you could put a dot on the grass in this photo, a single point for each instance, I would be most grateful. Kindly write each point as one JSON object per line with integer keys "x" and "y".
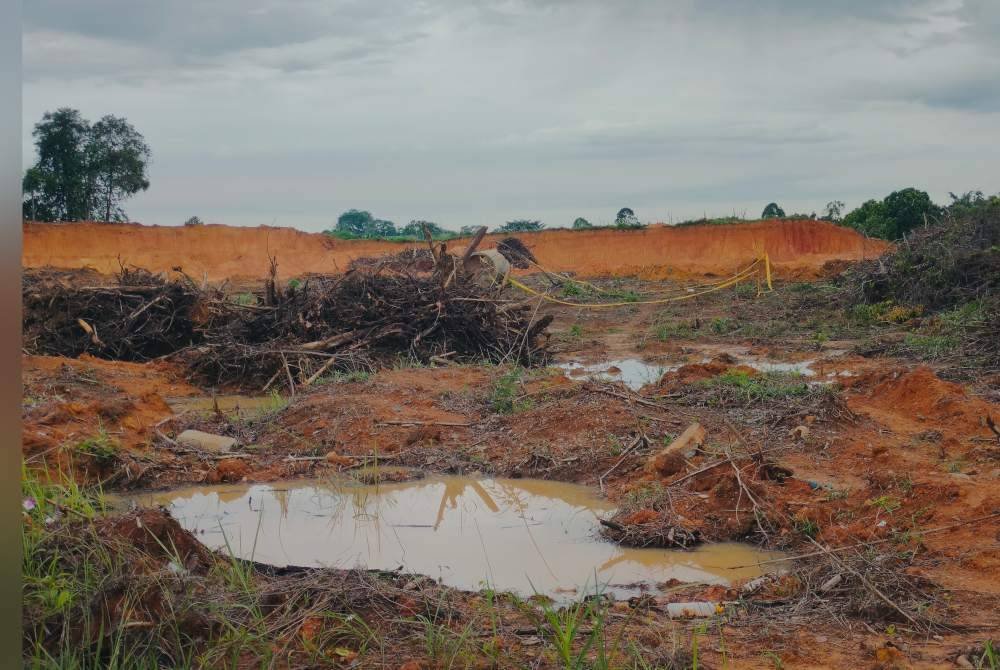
{"x": 762, "y": 386}
{"x": 505, "y": 394}
{"x": 102, "y": 448}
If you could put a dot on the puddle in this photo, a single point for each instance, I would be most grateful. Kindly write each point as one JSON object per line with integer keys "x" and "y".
{"x": 633, "y": 372}
{"x": 227, "y": 404}
{"x": 518, "y": 535}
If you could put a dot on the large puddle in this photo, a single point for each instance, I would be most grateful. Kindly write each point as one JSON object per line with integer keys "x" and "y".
{"x": 518, "y": 535}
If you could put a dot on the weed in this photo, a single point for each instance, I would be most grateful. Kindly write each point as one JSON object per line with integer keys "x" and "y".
{"x": 572, "y": 289}
{"x": 504, "y": 395}
{"x": 244, "y": 299}
{"x": 930, "y": 346}
{"x": 722, "y": 326}
{"x": 807, "y": 527}
{"x": 759, "y": 387}
{"x": 101, "y": 447}
{"x": 576, "y": 331}
{"x": 775, "y": 660}
{"x": 990, "y": 660}
{"x": 674, "y": 331}
{"x": 887, "y": 504}
{"x": 277, "y": 402}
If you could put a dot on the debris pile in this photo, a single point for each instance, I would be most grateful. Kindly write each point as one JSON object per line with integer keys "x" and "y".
{"x": 287, "y": 335}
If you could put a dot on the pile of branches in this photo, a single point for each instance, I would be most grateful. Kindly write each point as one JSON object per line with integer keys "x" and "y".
{"x": 951, "y": 272}
{"x": 288, "y": 336}
{"x": 137, "y": 317}
{"x": 303, "y": 333}
{"x": 939, "y": 266}
{"x": 408, "y": 260}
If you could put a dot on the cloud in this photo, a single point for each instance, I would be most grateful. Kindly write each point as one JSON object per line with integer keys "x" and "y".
{"x": 472, "y": 112}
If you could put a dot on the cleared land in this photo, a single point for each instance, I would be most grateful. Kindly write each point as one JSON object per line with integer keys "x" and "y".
{"x": 829, "y": 432}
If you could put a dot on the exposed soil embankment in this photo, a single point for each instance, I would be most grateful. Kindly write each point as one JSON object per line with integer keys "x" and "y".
{"x": 796, "y": 248}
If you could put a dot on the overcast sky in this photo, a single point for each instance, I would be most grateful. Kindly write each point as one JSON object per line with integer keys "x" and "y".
{"x": 292, "y": 111}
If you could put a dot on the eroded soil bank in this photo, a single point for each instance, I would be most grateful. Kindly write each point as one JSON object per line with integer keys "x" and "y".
{"x": 217, "y": 252}
{"x": 889, "y": 463}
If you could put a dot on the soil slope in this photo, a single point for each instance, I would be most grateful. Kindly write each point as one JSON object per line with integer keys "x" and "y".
{"x": 216, "y": 252}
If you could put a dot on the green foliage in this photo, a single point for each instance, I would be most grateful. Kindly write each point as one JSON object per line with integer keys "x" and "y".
{"x": 897, "y": 214}
{"x": 101, "y": 448}
{"x": 504, "y": 395}
{"x": 626, "y": 218}
{"x": 772, "y": 211}
{"x": 194, "y": 221}
{"x": 520, "y": 226}
{"x": 117, "y": 155}
{"x": 84, "y": 171}
{"x": 930, "y": 347}
{"x": 415, "y": 229}
{"x": 762, "y": 386}
{"x": 354, "y": 222}
{"x": 833, "y": 211}
{"x": 581, "y": 223}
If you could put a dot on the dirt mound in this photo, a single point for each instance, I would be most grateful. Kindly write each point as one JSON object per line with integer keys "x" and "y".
{"x": 216, "y": 252}
{"x": 922, "y": 396}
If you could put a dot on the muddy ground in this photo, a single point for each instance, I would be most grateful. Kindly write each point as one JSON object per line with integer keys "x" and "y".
{"x": 891, "y": 462}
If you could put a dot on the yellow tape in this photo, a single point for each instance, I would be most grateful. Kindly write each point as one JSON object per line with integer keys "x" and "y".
{"x": 735, "y": 279}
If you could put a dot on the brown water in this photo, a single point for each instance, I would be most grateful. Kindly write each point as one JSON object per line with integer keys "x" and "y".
{"x": 250, "y": 405}
{"x": 517, "y": 535}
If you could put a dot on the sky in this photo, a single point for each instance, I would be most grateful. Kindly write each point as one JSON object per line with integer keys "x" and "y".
{"x": 466, "y": 112}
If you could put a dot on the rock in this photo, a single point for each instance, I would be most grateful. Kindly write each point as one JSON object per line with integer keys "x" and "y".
{"x": 196, "y": 439}
{"x": 799, "y": 432}
{"x": 670, "y": 460}
{"x": 333, "y": 458}
{"x": 964, "y": 662}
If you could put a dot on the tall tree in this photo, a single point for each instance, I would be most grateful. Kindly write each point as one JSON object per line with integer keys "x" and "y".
{"x": 833, "y": 210}
{"x": 772, "y": 211}
{"x": 626, "y": 218}
{"x": 59, "y": 183}
{"x": 117, "y": 155}
{"x": 354, "y": 222}
{"x": 581, "y": 223}
{"x": 84, "y": 171}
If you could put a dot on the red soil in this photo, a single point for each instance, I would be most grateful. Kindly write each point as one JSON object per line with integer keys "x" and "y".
{"x": 796, "y": 248}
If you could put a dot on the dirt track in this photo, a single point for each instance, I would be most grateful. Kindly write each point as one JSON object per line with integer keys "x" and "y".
{"x": 796, "y": 248}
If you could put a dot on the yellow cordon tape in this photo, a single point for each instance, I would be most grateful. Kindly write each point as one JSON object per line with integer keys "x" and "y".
{"x": 726, "y": 283}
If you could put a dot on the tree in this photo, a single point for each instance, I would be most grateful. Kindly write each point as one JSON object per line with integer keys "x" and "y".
{"x": 833, "y": 210}
{"x": 626, "y": 218}
{"x": 519, "y": 226}
{"x": 381, "y": 228}
{"x": 897, "y": 214}
{"x": 415, "y": 228}
{"x": 117, "y": 155}
{"x": 354, "y": 222}
{"x": 772, "y": 211}
{"x": 194, "y": 221}
{"x": 59, "y": 183}
{"x": 871, "y": 219}
{"x": 84, "y": 171}
{"x": 581, "y": 223}
{"x": 909, "y": 208}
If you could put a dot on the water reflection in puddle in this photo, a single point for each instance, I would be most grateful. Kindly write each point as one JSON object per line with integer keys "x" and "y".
{"x": 633, "y": 372}
{"x": 515, "y": 534}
